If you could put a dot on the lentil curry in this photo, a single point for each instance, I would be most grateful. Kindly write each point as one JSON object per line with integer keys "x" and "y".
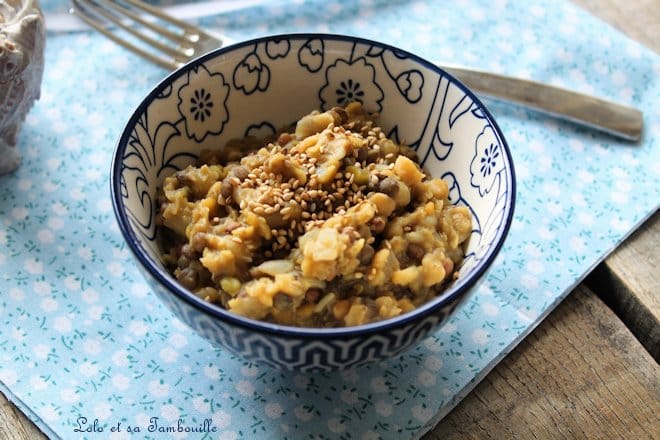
{"x": 329, "y": 224}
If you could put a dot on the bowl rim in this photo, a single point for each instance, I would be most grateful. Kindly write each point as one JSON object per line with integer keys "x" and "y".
{"x": 459, "y": 288}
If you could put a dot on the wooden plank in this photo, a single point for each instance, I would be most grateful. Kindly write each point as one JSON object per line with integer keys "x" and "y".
{"x": 638, "y": 19}
{"x": 580, "y": 374}
{"x": 629, "y": 283}
{"x": 14, "y": 425}
{"x": 552, "y": 383}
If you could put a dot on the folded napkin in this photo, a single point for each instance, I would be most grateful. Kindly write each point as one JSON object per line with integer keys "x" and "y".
{"x": 87, "y": 351}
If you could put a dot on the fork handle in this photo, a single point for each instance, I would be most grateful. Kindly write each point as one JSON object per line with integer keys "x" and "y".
{"x": 615, "y": 119}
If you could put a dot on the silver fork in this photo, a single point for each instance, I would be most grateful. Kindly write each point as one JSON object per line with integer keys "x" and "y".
{"x": 179, "y": 41}
{"x": 171, "y": 43}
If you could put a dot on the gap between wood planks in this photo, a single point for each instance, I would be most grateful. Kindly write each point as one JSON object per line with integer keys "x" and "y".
{"x": 628, "y": 282}
{"x": 580, "y": 374}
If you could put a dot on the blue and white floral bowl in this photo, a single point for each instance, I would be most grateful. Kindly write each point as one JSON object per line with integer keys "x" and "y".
{"x": 255, "y": 86}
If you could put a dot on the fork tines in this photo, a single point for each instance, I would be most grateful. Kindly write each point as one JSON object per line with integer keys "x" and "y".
{"x": 146, "y": 30}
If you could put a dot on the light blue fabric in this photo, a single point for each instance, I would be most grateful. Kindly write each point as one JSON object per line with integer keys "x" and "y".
{"x": 82, "y": 336}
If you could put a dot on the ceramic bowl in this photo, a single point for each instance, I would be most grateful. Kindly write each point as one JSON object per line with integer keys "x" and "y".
{"x": 252, "y": 87}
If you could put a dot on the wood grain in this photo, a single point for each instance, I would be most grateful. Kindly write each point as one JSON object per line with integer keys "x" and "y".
{"x": 14, "y": 425}
{"x": 628, "y": 282}
{"x": 638, "y": 19}
{"x": 580, "y": 374}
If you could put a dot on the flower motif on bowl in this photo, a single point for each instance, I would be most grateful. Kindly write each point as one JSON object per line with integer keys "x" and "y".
{"x": 251, "y": 74}
{"x": 487, "y": 162}
{"x": 410, "y": 83}
{"x": 310, "y": 55}
{"x": 348, "y": 81}
{"x": 204, "y": 106}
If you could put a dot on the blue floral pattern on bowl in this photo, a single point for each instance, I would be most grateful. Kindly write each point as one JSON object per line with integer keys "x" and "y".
{"x": 258, "y": 85}
{"x": 204, "y": 109}
{"x": 341, "y": 88}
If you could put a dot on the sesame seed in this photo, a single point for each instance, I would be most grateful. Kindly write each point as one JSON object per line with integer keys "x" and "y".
{"x": 298, "y": 205}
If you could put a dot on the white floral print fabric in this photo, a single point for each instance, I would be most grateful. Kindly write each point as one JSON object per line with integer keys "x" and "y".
{"x": 88, "y": 352}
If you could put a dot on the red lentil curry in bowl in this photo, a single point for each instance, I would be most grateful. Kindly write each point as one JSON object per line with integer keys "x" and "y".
{"x": 312, "y": 202}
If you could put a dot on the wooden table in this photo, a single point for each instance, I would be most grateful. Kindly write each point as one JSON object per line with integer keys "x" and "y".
{"x": 590, "y": 369}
